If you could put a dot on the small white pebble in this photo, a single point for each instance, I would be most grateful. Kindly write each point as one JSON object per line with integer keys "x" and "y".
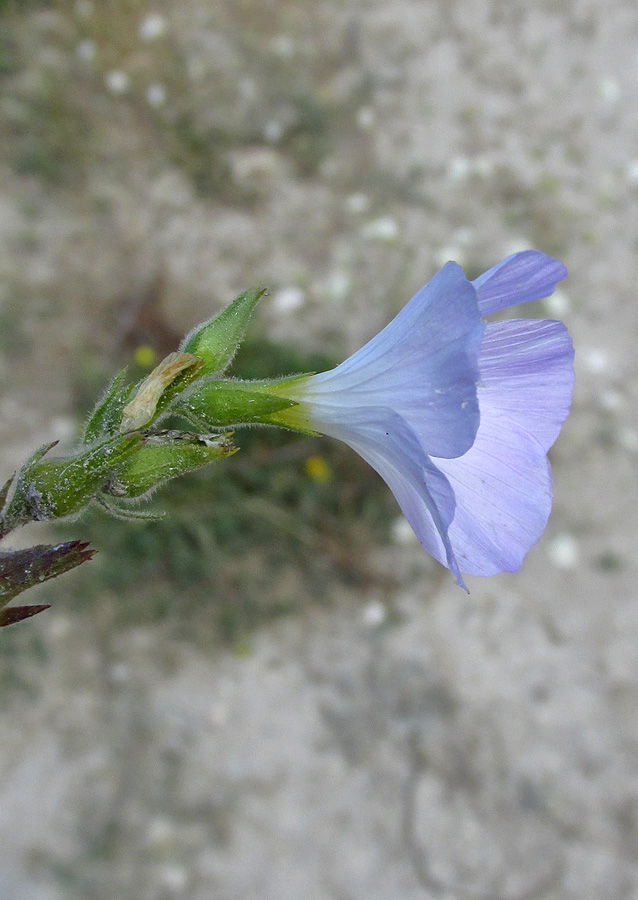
{"x": 402, "y": 532}
{"x": 358, "y": 203}
{"x": 156, "y": 95}
{"x": 374, "y": 613}
{"x": 283, "y": 45}
{"x": 86, "y": 50}
{"x": 287, "y": 299}
{"x": 631, "y": 171}
{"x": 366, "y": 118}
{"x": 339, "y": 285}
{"x": 558, "y": 304}
{"x": 383, "y": 229}
{"x": 563, "y": 551}
{"x": 609, "y": 90}
{"x": 458, "y": 170}
{"x": 273, "y": 131}
{"x": 153, "y": 26}
{"x": 117, "y": 82}
{"x": 611, "y": 400}
{"x": 596, "y": 361}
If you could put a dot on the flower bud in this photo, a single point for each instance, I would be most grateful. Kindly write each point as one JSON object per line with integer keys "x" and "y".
{"x": 164, "y": 456}
{"x": 217, "y": 340}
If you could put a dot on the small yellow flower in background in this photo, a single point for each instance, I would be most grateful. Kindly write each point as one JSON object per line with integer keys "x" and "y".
{"x": 145, "y": 356}
{"x": 242, "y": 649}
{"x": 318, "y": 469}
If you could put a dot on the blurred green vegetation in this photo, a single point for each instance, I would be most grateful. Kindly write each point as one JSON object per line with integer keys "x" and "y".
{"x": 22, "y": 651}
{"x": 195, "y": 117}
{"x": 52, "y": 125}
{"x": 246, "y": 540}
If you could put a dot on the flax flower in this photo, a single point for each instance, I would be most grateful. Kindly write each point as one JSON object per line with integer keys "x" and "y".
{"x": 457, "y": 415}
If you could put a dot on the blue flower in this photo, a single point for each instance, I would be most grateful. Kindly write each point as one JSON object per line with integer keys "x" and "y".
{"x": 457, "y": 415}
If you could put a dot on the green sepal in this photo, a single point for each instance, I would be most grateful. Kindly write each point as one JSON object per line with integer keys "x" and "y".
{"x": 164, "y": 456}
{"x": 219, "y": 404}
{"x": 107, "y": 415}
{"x": 126, "y": 513}
{"x": 217, "y": 340}
{"x": 296, "y": 416}
{"x": 61, "y": 487}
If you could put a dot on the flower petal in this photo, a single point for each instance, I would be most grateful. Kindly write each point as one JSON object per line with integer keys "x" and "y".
{"x": 527, "y": 374}
{"x": 503, "y": 492}
{"x": 389, "y": 445}
{"x": 424, "y": 365}
{"x": 503, "y": 485}
{"x": 530, "y": 275}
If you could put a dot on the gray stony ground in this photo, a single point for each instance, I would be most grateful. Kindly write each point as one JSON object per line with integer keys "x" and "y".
{"x": 417, "y": 745}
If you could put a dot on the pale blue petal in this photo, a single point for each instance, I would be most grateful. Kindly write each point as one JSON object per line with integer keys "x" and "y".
{"x": 389, "y": 445}
{"x": 525, "y": 276}
{"x": 502, "y": 485}
{"x": 423, "y": 365}
{"x": 527, "y": 374}
{"x": 503, "y": 492}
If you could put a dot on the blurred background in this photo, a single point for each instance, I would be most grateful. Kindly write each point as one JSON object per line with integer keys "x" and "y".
{"x": 275, "y": 694}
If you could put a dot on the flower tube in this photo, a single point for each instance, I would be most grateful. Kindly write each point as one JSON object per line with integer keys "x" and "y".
{"x": 456, "y": 415}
